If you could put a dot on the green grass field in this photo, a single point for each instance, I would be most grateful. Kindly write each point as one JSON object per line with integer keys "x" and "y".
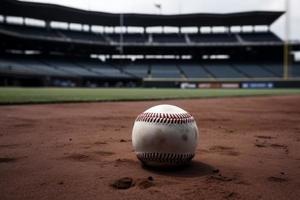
{"x": 56, "y": 95}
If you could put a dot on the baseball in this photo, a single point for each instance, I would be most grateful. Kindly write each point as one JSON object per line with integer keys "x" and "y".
{"x": 165, "y": 135}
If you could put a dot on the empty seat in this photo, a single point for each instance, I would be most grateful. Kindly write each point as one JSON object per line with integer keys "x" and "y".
{"x": 253, "y": 70}
{"x": 168, "y": 38}
{"x": 139, "y": 70}
{"x": 71, "y": 68}
{"x": 30, "y": 31}
{"x": 165, "y": 71}
{"x": 276, "y": 69}
{"x": 15, "y": 67}
{"x": 194, "y": 71}
{"x": 104, "y": 69}
{"x": 259, "y": 37}
{"x": 212, "y": 38}
{"x": 37, "y": 32}
{"x": 82, "y": 36}
{"x": 223, "y": 71}
{"x": 43, "y": 68}
{"x": 295, "y": 70}
{"x": 129, "y": 37}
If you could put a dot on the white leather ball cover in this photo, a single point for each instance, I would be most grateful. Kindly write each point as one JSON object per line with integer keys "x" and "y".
{"x": 165, "y": 135}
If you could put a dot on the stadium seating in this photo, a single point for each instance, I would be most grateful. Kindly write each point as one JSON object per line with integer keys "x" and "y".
{"x": 41, "y": 45}
{"x": 65, "y": 68}
{"x": 129, "y": 37}
{"x": 42, "y": 67}
{"x": 103, "y": 69}
{"x": 253, "y": 70}
{"x": 29, "y": 31}
{"x": 194, "y": 71}
{"x": 275, "y": 68}
{"x": 223, "y": 71}
{"x": 160, "y": 70}
{"x": 11, "y": 67}
{"x": 70, "y": 68}
{"x": 259, "y": 37}
{"x": 138, "y": 70}
{"x": 81, "y": 36}
{"x": 295, "y": 70}
{"x": 167, "y": 38}
{"x": 30, "y": 67}
{"x": 166, "y": 69}
{"x": 212, "y": 38}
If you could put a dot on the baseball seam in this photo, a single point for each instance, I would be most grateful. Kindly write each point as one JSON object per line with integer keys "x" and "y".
{"x": 165, "y": 118}
{"x": 167, "y": 158}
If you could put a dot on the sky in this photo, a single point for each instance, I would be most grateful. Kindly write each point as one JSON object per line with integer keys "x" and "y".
{"x": 194, "y": 6}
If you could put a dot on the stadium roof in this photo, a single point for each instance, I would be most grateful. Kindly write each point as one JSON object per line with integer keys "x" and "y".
{"x": 51, "y": 12}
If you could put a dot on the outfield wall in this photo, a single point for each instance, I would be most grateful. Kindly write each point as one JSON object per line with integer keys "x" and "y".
{"x": 226, "y": 85}
{"x": 44, "y": 81}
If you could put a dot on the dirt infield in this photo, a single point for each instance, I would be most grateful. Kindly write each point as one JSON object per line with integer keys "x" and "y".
{"x": 249, "y": 148}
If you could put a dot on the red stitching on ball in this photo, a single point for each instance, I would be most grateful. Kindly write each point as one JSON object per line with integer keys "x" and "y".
{"x": 167, "y": 158}
{"x": 182, "y": 118}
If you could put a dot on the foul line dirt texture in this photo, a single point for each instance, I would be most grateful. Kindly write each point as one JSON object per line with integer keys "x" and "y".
{"x": 248, "y": 149}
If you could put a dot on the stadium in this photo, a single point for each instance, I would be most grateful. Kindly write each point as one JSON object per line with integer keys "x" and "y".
{"x": 71, "y": 47}
{"x": 93, "y": 92}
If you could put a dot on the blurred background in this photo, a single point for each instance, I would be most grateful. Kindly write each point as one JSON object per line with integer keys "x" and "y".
{"x": 161, "y": 44}
{"x": 193, "y": 6}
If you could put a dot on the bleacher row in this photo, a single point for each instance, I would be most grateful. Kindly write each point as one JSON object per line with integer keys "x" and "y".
{"x": 80, "y": 36}
{"x": 97, "y": 69}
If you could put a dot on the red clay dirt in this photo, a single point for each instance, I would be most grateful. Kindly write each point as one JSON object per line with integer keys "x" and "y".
{"x": 249, "y": 148}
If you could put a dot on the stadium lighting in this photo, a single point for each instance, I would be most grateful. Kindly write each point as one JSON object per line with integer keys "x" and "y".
{"x": 286, "y": 41}
{"x": 159, "y": 7}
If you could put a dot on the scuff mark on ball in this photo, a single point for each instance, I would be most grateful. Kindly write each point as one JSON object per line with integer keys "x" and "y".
{"x": 184, "y": 137}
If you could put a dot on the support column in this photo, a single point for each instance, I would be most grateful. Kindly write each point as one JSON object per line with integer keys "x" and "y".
{"x": 47, "y": 25}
